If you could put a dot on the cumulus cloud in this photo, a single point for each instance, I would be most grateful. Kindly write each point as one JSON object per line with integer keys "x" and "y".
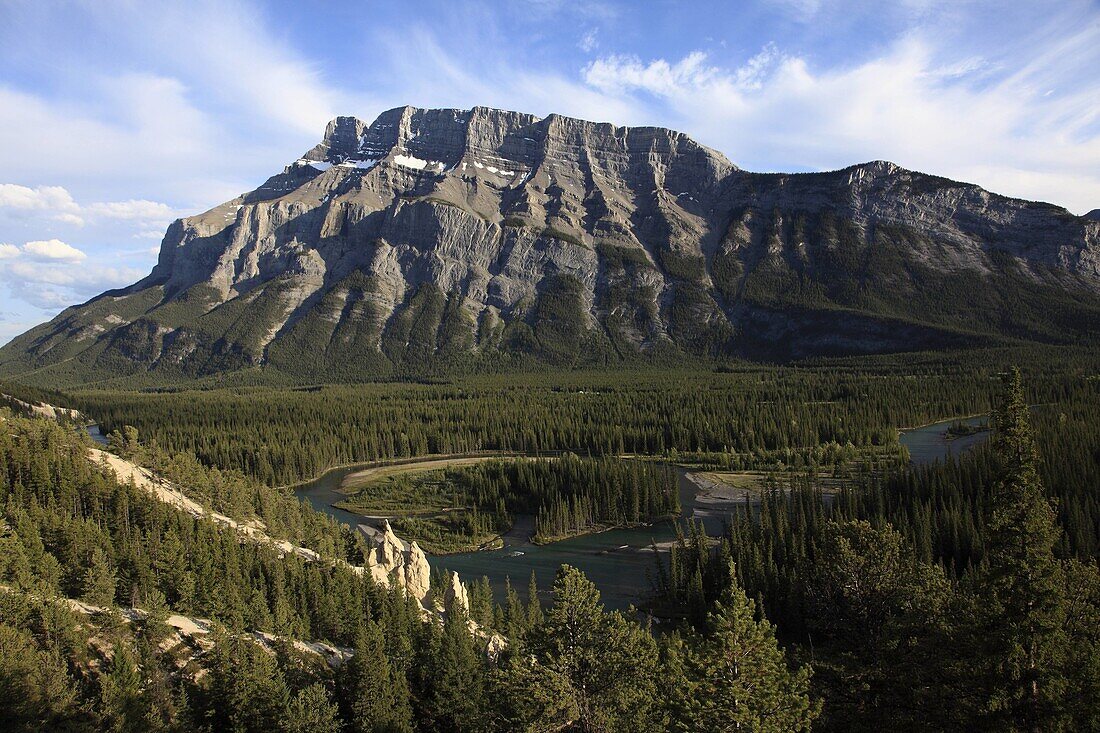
{"x": 56, "y": 204}
{"x": 52, "y": 249}
{"x": 51, "y": 274}
{"x": 54, "y": 201}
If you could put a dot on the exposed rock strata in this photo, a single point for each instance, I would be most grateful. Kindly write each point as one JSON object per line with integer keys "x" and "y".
{"x": 432, "y": 236}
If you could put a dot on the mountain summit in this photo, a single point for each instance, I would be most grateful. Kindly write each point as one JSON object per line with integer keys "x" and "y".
{"x": 451, "y": 239}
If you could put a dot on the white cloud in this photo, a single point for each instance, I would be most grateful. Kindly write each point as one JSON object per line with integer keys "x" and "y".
{"x": 39, "y": 277}
{"x": 56, "y": 204}
{"x": 55, "y": 201}
{"x": 52, "y": 249}
{"x": 8, "y": 251}
{"x": 619, "y": 74}
{"x": 139, "y": 209}
{"x": 590, "y": 41}
{"x": 956, "y": 117}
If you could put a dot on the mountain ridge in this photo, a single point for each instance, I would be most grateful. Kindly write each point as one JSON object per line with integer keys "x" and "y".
{"x": 463, "y": 239}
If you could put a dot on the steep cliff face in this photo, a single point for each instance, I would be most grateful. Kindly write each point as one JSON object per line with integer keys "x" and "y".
{"x": 458, "y": 238}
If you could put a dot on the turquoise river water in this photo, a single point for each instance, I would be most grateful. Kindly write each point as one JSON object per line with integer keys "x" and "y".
{"x": 619, "y": 561}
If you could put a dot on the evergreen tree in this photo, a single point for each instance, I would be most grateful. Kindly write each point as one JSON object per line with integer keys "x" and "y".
{"x": 878, "y": 620}
{"x": 608, "y": 663}
{"x": 534, "y": 606}
{"x": 1022, "y": 583}
{"x": 99, "y": 582}
{"x": 36, "y": 691}
{"x": 455, "y": 699}
{"x": 735, "y": 676}
{"x": 245, "y": 692}
{"x": 374, "y": 697}
{"x": 312, "y": 711}
{"x": 1082, "y": 664}
{"x": 530, "y": 697}
{"x": 123, "y": 704}
{"x": 156, "y": 627}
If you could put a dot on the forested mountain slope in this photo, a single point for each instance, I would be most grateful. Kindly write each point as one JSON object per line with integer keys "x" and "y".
{"x": 70, "y": 530}
{"x": 438, "y": 239}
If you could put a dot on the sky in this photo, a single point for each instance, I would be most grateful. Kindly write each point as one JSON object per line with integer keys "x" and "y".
{"x": 118, "y": 117}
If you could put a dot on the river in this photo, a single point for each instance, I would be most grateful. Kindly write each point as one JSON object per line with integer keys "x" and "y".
{"x": 96, "y": 434}
{"x": 619, "y": 561}
{"x": 929, "y": 443}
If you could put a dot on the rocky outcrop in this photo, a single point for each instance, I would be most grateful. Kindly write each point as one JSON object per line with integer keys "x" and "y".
{"x": 391, "y": 562}
{"x": 432, "y": 234}
{"x": 41, "y": 409}
{"x": 400, "y": 562}
{"x": 456, "y": 595}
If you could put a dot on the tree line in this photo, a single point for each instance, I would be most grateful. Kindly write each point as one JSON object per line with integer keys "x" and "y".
{"x": 70, "y": 530}
{"x": 570, "y": 495}
{"x": 923, "y": 602}
{"x": 741, "y": 418}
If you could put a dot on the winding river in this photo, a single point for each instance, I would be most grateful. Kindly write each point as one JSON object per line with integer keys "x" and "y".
{"x": 619, "y": 561}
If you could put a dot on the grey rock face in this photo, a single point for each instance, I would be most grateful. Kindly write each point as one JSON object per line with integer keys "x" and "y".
{"x": 437, "y": 236}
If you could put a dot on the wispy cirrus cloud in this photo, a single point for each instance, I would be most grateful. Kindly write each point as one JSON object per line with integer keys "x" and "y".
{"x": 1022, "y": 132}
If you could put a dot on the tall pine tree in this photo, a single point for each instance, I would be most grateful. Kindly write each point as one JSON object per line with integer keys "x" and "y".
{"x": 374, "y": 697}
{"x": 1023, "y": 588}
{"x": 735, "y": 677}
{"x": 607, "y": 663}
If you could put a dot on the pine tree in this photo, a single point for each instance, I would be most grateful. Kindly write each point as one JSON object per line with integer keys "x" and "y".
{"x": 157, "y": 613}
{"x": 245, "y": 690}
{"x": 736, "y": 678}
{"x": 534, "y": 607}
{"x": 36, "y": 690}
{"x": 456, "y": 689}
{"x": 312, "y": 711}
{"x": 876, "y": 617}
{"x": 607, "y": 662}
{"x": 373, "y": 695}
{"x": 98, "y": 584}
{"x": 123, "y": 705}
{"x": 1083, "y": 627}
{"x": 1022, "y": 580}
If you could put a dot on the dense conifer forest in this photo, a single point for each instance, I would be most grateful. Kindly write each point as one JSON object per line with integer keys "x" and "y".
{"x": 71, "y": 532}
{"x": 962, "y": 595}
{"x": 460, "y": 508}
{"x": 959, "y": 597}
{"x": 744, "y": 416}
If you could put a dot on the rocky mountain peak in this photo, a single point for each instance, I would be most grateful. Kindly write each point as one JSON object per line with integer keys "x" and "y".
{"x": 430, "y": 237}
{"x": 444, "y": 138}
{"x": 1094, "y": 215}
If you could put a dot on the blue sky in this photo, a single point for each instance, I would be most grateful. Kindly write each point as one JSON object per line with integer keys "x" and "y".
{"x": 116, "y": 117}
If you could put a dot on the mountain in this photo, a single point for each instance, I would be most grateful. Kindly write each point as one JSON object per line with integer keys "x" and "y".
{"x": 441, "y": 239}
{"x": 1093, "y": 215}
